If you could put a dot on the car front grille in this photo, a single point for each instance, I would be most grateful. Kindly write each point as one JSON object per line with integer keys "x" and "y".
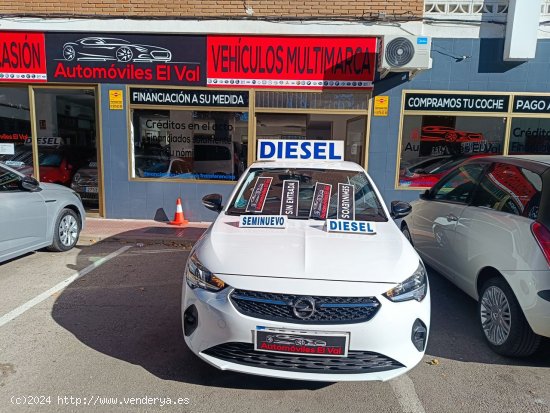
{"x": 328, "y": 310}
{"x": 356, "y": 362}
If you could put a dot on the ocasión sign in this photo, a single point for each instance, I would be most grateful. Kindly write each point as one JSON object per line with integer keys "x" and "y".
{"x": 124, "y": 58}
{"x": 22, "y": 57}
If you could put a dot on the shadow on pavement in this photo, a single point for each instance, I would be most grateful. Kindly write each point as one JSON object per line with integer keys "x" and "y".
{"x": 455, "y": 333}
{"x": 129, "y": 309}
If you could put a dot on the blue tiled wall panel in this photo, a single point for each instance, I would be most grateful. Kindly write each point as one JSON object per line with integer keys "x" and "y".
{"x": 143, "y": 200}
{"x": 483, "y": 69}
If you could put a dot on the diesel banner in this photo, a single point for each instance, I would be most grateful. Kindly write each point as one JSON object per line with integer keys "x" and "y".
{"x": 321, "y": 201}
{"x": 259, "y": 194}
{"x": 291, "y": 62}
{"x": 531, "y": 104}
{"x": 450, "y": 102}
{"x": 346, "y": 201}
{"x": 126, "y": 58}
{"x": 23, "y": 57}
{"x": 289, "y": 204}
{"x": 182, "y": 97}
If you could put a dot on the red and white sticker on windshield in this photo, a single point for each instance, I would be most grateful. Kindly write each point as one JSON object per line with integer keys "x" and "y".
{"x": 257, "y": 199}
{"x": 321, "y": 201}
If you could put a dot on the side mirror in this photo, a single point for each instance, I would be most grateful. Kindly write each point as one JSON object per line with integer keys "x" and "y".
{"x": 30, "y": 184}
{"x": 213, "y": 202}
{"x": 426, "y": 195}
{"x": 400, "y": 209}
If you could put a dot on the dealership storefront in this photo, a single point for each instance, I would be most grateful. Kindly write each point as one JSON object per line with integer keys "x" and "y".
{"x": 132, "y": 122}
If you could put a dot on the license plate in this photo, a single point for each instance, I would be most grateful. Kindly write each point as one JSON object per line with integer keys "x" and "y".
{"x": 91, "y": 189}
{"x": 311, "y": 343}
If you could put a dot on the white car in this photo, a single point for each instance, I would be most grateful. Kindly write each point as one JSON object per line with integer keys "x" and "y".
{"x": 268, "y": 267}
{"x": 486, "y": 227}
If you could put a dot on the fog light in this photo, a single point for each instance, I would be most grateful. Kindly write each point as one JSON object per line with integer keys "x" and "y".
{"x": 190, "y": 320}
{"x": 419, "y": 334}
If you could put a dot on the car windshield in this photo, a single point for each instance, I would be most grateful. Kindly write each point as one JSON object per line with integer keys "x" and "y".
{"x": 367, "y": 204}
{"x": 50, "y": 159}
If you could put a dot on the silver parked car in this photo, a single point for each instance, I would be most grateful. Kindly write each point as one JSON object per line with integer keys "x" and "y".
{"x": 486, "y": 227}
{"x": 36, "y": 215}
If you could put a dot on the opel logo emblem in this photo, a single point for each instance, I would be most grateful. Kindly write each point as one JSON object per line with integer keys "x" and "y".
{"x": 304, "y": 308}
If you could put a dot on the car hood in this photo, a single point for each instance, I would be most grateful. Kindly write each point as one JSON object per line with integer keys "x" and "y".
{"x": 304, "y": 250}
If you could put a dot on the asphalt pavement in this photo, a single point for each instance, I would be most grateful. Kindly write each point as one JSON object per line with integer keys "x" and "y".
{"x": 98, "y": 329}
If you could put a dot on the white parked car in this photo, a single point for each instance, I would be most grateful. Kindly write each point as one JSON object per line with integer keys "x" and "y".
{"x": 355, "y": 303}
{"x": 36, "y": 215}
{"x": 486, "y": 227}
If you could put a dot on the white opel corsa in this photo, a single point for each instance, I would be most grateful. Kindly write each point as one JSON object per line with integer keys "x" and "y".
{"x": 304, "y": 275}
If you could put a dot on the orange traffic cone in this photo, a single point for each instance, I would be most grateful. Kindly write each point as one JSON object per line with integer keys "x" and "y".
{"x": 179, "y": 218}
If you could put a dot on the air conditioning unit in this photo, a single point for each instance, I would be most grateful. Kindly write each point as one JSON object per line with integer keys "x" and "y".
{"x": 405, "y": 54}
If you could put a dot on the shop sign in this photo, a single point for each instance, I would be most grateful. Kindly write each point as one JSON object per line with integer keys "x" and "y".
{"x": 531, "y": 104}
{"x": 447, "y": 102}
{"x": 181, "y": 97}
{"x": 291, "y": 62}
{"x": 126, "y": 58}
{"x": 381, "y": 105}
{"x": 115, "y": 100}
{"x": 272, "y": 149}
{"x": 23, "y": 57}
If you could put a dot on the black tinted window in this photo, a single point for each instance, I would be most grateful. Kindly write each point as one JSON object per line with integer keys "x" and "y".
{"x": 459, "y": 185}
{"x": 511, "y": 189}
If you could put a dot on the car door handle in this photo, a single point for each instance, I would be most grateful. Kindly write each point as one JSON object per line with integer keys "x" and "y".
{"x": 451, "y": 217}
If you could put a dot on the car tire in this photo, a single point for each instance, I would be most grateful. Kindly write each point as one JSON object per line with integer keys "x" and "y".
{"x": 66, "y": 231}
{"x": 406, "y": 232}
{"x": 498, "y": 307}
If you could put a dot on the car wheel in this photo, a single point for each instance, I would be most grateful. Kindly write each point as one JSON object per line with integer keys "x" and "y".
{"x": 502, "y": 321}
{"x": 69, "y": 53}
{"x": 124, "y": 54}
{"x": 406, "y": 233}
{"x": 66, "y": 231}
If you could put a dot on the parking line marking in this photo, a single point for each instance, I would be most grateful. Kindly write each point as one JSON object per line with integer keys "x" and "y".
{"x": 5, "y": 319}
{"x": 403, "y": 388}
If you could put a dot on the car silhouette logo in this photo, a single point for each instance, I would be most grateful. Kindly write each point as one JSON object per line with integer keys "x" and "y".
{"x": 104, "y": 49}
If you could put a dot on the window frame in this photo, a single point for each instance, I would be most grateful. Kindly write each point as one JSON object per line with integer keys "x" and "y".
{"x": 510, "y": 115}
{"x": 452, "y": 174}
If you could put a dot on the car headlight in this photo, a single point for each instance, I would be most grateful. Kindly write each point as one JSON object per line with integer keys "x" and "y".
{"x": 198, "y": 276}
{"x": 413, "y": 288}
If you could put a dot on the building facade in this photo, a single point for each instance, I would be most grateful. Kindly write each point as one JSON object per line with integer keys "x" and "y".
{"x": 137, "y": 103}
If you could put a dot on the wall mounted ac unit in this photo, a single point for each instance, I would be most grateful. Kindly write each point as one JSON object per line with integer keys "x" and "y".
{"x": 405, "y": 54}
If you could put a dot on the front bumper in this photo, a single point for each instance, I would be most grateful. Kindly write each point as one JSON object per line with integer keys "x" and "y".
{"x": 224, "y": 337}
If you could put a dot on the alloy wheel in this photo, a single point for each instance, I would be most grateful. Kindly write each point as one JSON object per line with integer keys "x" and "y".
{"x": 496, "y": 317}
{"x": 68, "y": 230}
